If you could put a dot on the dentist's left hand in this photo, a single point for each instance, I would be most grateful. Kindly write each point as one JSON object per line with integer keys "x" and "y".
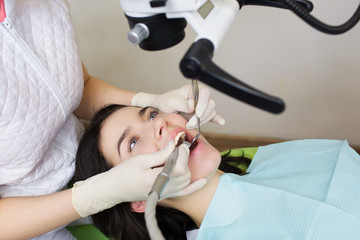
{"x": 132, "y": 180}
{"x": 182, "y": 100}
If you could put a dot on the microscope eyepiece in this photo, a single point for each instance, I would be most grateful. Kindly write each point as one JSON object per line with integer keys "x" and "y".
{"x": 162, "y": 32}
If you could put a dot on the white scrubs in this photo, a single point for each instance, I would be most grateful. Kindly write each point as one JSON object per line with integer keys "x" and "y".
{"x": 41, "y": 83}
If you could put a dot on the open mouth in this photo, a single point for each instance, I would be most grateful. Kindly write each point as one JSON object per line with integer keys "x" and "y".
{"x": 182, "y": 137}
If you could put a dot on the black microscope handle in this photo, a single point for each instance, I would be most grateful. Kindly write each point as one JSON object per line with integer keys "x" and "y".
{"x": 197, "y": 64}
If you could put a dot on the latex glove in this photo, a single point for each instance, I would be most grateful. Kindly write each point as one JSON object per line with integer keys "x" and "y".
{"x": 132, "y": 180}
{"x": 182, "y": 100}
{"x": 180, "y": 177}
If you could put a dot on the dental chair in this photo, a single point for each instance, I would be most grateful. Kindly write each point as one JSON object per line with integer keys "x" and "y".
{"x": 90, "y": 232}
{"x": 86, "y": 232}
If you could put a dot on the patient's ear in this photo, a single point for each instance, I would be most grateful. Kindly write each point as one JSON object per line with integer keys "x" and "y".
{"x": 138, "y": 206}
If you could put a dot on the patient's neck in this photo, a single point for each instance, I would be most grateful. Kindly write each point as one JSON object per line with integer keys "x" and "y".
{"x": 196, "y": 204}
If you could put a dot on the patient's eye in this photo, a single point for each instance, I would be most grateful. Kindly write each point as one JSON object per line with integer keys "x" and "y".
{"x": 153, "y": 113}
{"x": 132, "y": 143}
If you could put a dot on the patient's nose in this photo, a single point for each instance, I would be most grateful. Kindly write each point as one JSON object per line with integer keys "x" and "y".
{"x": 159, "y": 127}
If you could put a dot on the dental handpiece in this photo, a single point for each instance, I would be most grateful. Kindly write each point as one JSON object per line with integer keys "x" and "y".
{"x": 164, "y": 176}
{"x": 154, "y": 195}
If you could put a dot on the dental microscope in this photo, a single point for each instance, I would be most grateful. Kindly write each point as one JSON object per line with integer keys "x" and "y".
{"x": 159, "y": 24}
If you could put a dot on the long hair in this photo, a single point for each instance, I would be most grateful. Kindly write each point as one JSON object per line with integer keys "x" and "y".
{"x": 119, "y": 222}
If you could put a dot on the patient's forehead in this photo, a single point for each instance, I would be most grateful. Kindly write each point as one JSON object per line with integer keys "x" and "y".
{"x": 120, "y": 119}
{"x": 123, "y": 113}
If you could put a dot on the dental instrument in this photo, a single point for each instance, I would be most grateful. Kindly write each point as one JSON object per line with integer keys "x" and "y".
{"x": 155, "y": 193}
{"x": 160, "y": 24}
{"x": 195, "y": 138}
{"x": 154, "y": 196}
{"x": 195, "y": 88}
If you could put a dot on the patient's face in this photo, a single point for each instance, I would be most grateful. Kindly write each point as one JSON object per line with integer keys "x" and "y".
{"x": 132, "y": 131}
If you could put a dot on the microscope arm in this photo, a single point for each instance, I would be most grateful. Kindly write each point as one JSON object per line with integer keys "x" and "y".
{"x": 278, "y": 4}
{"x": 197, "y": 64}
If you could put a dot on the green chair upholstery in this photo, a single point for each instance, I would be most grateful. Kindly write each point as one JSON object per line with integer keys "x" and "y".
{"x": 86, "y": 232}
{"x": 248, "y": 152}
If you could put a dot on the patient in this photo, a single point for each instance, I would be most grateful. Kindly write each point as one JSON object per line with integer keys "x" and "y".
{"x": 305, "y": 189}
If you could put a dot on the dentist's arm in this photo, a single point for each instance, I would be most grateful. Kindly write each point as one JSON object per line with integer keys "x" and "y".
{"x": 97, "y": 94}
{"x": 28, "y": 217}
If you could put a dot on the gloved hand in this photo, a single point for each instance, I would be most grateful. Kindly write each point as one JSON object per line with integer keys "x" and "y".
{"x": 182, "y": 100}
{"x": 132, "y": 180}
{"x": 180, "y": 177}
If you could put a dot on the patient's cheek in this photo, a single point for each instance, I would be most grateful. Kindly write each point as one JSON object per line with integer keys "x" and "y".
{"x": 205, "y": 166}
{"x": 144, "y": 148}
{"x": 177, "y": 119}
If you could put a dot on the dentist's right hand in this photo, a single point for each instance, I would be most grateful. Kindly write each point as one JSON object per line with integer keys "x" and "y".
{"x": 132, "y": 180}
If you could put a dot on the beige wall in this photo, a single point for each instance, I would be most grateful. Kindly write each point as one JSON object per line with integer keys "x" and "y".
{"x": 317, "y": 75}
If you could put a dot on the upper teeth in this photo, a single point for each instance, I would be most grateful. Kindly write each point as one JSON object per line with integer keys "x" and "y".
{"x": 178, "y": 136}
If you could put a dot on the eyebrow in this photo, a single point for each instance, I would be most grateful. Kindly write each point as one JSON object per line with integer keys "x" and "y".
{"x": 127, "y": 130}
{"x": 142, "y": 111}
{"x": 121, "y": 139}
